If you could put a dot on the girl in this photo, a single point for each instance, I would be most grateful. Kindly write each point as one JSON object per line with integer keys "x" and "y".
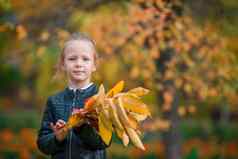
{"x": 78, "y": 62}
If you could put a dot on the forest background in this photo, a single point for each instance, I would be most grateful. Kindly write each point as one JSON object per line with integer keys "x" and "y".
{"x": 184, "y": 51}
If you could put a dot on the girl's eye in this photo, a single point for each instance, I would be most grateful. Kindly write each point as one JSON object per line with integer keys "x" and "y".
{"x": 72, "y": 58}
{"x": 86, "y": 59}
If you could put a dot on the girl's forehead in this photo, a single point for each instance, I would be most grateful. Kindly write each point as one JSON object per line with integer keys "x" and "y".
{"x": 79, "y": 46}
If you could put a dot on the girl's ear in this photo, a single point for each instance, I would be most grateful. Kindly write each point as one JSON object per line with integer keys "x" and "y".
{"x": 63, "y": 67}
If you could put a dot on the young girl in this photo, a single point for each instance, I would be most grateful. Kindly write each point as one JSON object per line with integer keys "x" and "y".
{"x": 78, "y": 62}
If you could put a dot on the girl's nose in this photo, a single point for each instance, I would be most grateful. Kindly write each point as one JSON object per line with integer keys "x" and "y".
{"x": 78, "y": 63}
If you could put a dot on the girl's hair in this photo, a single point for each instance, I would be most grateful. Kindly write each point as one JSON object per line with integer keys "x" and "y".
{"x": 74, "y": 36}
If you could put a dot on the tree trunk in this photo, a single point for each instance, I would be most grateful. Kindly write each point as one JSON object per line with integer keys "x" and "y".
{"x": 172, "y": 137}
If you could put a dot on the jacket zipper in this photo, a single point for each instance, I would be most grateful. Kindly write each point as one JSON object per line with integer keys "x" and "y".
{"x": 70, "y": 135}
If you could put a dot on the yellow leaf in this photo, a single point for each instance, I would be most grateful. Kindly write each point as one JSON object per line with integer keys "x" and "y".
{"x": 116, "y": 89}
{"x": 138, "y": 117}
{"x": 135, "y": 105}
{"x": 119, "y": 132}
{"x": 133, "y": 122}
{"x": 134, "y": 138}
{"x": 114, "y": 115}
{"x": 122, "y": 114}
{"x": 139, "y": 91}
{"x": 125, "y": 139}
{"x": 105, "y": 131}
{"x": 101, "y": 95}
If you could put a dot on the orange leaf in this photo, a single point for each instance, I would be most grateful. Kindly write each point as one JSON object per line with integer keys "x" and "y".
{"x": 74, "y": 120}
{"x": 116, "y": 89}
{"x": 89, "y": 102}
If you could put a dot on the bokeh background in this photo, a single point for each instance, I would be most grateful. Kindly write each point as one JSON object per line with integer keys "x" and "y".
{"x": 184, "y": 51}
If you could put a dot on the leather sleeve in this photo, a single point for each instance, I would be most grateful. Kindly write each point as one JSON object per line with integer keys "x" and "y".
{"x": 46, "y": 140}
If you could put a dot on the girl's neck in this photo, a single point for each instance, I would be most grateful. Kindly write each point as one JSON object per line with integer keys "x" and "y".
{"x": 78, "y": 85}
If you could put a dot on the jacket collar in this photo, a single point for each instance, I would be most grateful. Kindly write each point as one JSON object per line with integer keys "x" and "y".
{"x": 70, "y": 92}
{"x": 83, "y": 88}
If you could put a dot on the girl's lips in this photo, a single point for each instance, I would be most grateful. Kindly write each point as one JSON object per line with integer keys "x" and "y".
{"x": 78, "y": 72}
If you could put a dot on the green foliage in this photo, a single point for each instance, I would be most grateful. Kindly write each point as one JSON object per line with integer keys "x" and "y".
{"x": 16, "y": 121}
{"x": 5, "y": 5}
{"x": 10, "y": 78}
{"x": 193, "y": 154}
{"x": 9, "y": 155}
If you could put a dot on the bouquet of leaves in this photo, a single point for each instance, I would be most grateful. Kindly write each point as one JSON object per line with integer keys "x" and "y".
{"x": 115, "y": 111}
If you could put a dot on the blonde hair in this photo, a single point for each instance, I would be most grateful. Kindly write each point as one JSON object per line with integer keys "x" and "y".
{"x": 73, "y": 37}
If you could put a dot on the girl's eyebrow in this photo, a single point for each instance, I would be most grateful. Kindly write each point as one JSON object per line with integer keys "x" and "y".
{"x": 85, "y": 55}
{"x": 71, "y": 55}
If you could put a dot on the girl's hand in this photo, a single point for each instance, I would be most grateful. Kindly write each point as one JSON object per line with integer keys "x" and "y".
{"x": 80, "y": 111}
{"x": 90, "y": 120}
{"x": 58, "y": 129}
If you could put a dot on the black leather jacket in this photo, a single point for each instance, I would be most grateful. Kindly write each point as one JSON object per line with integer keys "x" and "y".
{"x": 83, "y": 144}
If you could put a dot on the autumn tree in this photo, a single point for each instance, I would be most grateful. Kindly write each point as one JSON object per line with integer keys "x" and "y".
{"x": 187, "y": 61}
{"x": 171, "y": 54}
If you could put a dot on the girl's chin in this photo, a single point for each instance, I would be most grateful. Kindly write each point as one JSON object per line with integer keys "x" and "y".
{"x": 78, "y": 79}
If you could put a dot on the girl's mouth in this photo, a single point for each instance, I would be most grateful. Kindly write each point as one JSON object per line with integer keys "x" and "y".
{"x": 78, "y": 72}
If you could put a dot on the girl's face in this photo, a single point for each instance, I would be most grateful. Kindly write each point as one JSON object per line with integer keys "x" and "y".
{"x": 79, "y": 61}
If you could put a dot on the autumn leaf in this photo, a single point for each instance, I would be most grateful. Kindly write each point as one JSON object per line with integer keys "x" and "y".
{"x": 135, "y": 105}
{"x": 114, "y": 112}
{"x": 116, "y": 89}
{"x": 105, "y": 129}
{"x": 88, "y": 104}
{"x": 74, "y": 120}
{"x": 139, "y": 91}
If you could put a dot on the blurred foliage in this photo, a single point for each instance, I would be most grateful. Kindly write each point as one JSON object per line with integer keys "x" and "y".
{"x": 223, "y": 14}
{"x": 185, "y": 47}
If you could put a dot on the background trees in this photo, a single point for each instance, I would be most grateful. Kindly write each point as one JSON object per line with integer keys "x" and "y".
{"x": 184, "y": 51}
